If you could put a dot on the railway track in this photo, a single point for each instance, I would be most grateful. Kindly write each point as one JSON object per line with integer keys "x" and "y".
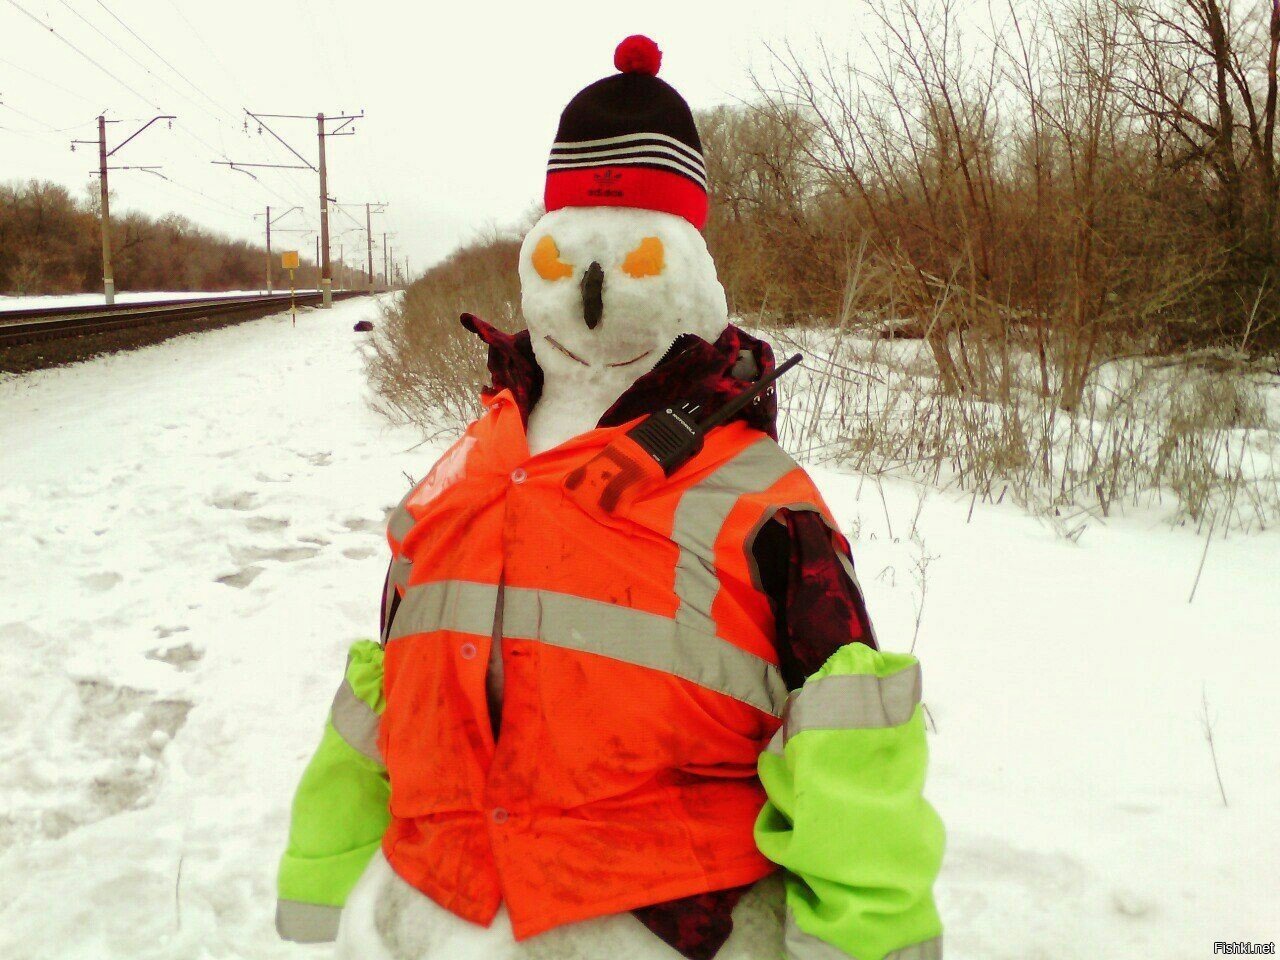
{"x": 57, "y": 323}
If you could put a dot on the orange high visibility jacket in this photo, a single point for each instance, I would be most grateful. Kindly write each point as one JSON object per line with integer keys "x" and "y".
{"x": 641, "y": 681}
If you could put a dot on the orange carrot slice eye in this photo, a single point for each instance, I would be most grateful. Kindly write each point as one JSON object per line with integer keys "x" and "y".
{"x": 546, "y": 260}
{"x": 645, "y": 260}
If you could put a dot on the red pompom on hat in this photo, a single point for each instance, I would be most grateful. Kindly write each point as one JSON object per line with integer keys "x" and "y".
{"x": 638, "y": 54}
{"x": 629, "y": 140}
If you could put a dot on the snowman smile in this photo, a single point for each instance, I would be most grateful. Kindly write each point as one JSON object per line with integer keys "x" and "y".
{"x": 573, "y": 356}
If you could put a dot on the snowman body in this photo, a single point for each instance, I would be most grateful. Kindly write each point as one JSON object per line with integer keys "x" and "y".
{"x": 387, "y": 919}
{"x": 606, "y": 292}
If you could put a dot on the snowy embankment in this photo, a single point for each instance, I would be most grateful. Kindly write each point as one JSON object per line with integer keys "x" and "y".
{"x": 192, "y": 535}
{"x": 146, "y": 296}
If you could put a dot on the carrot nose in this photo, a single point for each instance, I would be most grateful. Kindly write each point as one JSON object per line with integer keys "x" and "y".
{"x": 593, "y": 295}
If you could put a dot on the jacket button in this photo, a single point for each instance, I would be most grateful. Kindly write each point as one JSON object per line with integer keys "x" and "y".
{"x": 518, "y": 475}
{"x": 468, "y": 651}
{"x": 499, "y": 815}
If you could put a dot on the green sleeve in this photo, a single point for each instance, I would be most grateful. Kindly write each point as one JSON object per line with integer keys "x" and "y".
{"x": 340, "y": 809}
{"x": 846, "y": 817}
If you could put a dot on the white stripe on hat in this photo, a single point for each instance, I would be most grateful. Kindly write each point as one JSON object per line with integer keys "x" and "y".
{"x": 626, "y": 138}
{"x": 656, "y": 161}
{"x": 647, "y": 150}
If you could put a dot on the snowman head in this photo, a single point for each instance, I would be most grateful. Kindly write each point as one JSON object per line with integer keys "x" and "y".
{"x": 606, "y": 290}
{"x": 617, "y": 270}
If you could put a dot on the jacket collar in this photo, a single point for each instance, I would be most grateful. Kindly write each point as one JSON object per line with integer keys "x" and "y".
{"x": 694, "y": 370}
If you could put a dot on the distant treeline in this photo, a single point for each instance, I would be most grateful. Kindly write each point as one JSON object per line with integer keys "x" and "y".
{"x": 51, "y": 242}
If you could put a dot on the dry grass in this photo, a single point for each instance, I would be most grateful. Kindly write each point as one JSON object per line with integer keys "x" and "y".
{"x": 1193, "y": 441}
{"x": 425, "y": 368}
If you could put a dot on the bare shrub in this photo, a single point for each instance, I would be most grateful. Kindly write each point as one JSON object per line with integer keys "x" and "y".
{"x": 1080, "y": 179}
{"x": 1146, "y": 433}
{"x": 425, "y": 368}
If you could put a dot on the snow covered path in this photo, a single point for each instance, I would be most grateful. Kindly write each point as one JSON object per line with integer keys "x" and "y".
{"x": 192, "y": 535}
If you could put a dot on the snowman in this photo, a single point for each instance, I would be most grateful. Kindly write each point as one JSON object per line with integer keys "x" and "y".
{"x": 627, "y": 702}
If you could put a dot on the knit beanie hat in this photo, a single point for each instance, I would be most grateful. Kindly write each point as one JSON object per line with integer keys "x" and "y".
{"x": 629, "y": 141}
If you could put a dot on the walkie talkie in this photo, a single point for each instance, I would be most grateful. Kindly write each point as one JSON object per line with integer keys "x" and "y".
{"x": 657, "y": 447}
{"x": 674, "y": 436}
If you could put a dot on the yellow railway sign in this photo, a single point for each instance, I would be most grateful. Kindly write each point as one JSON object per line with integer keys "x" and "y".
{"x": 289, "y": 259}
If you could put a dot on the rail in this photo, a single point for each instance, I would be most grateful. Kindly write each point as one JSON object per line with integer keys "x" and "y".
{"x": 29, "y": 325}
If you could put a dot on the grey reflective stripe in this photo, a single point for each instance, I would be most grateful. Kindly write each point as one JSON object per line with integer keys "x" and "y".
{"x": 805, "y": 946}
{"x": 355, "y": 722}
{"x": 776, "y": 743}
{"x": 593, "y": 626}
{"x": 397, "y": 576}
{"x": 847, "y": 563}
{"x": 307, "y": 922}
{"x": 702, "y": 512}
{"x": 446, "y": 605}
{"x": 851, "y": 702}
{"x": 400, "y": 522}
{"x": 767, "y": 516}
{"x": 645, "y": 640}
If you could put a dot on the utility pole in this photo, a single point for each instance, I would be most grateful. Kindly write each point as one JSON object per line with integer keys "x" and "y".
{"x": 326, "y": 275}
{"x": 322, "y": 241}
{"x": 269, "y": 222}
{"x": 392, "y": 255}
{"x": 369, "y": 210}
{"x": 108, "y": 278}
{"x": 385, "y": 282}
{"x": 268, "y": 219}
{"x": 368, "y": 231}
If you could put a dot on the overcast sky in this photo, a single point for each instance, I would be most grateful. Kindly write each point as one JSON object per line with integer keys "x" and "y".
{"x": 461, "y": 98}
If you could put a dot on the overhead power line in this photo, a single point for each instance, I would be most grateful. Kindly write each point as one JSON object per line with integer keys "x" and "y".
{"x": 146, "y": 69}
{"x": 47, "y": 126}
{"x": 42, "y": 79}
{"x": 44, "y": 26}
{"x": 323, "y": 133}
{"x": 235, "y": 80}
{"x": 194, "y": 86}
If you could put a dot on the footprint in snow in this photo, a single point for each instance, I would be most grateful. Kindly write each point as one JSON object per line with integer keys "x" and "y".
{"x": 245, "y": 500}
{"x": 362, "y": 525}
{"x": 241, "y": 578}
{"x": 321, "y": 459}
{"x": 101, "y": 582}
{"x": 357, "y": 553}
{"x": 263, "y": 524}
{"x": 1129, "y": 904}
{"x": 121, "y": 733}
{"x": 184, "y": 656}
{"x": 278, "y": 554}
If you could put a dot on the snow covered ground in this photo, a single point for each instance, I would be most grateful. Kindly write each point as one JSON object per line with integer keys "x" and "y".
{"x": 95, "y": 299}
{"x": 192, "y": 535}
